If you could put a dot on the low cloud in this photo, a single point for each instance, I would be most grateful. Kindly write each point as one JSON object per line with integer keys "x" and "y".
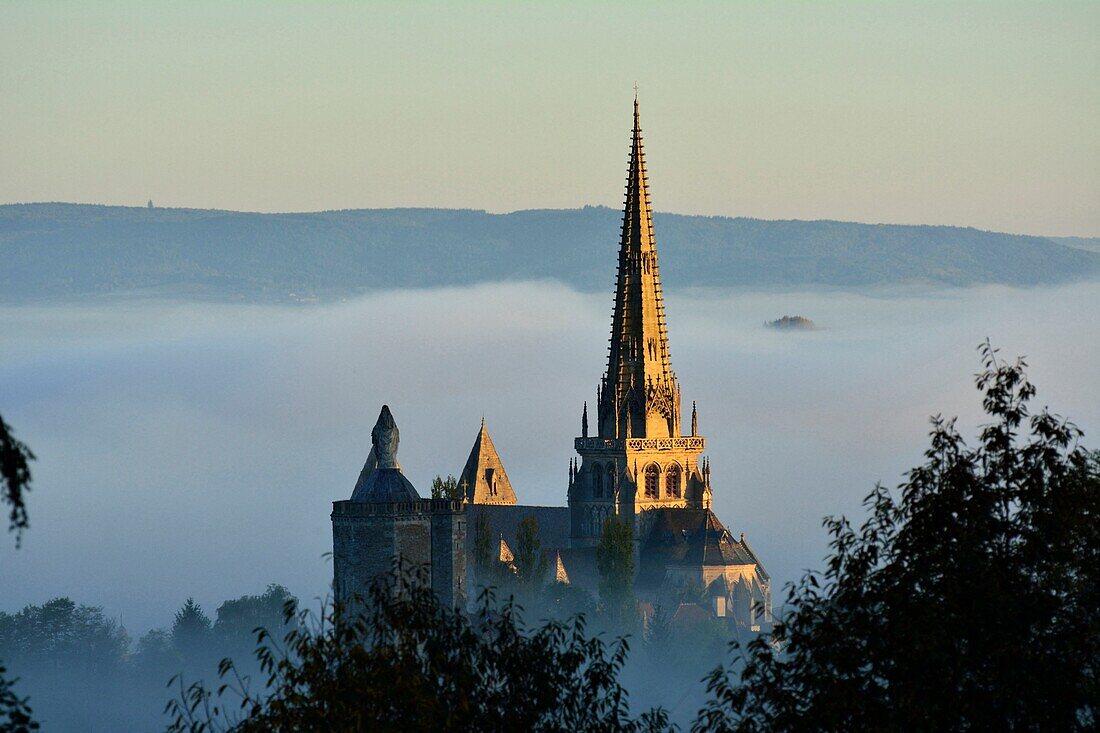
{"x": 190, "y": 449}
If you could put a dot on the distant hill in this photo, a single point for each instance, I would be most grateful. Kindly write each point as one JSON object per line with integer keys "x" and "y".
{"x": 54, "y": 251}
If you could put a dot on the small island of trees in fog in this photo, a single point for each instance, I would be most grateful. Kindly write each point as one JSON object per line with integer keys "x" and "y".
{"x": 791, "y": 323}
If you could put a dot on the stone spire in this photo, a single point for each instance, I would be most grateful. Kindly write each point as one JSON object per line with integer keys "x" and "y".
{"x": 483, "y": 480}
{"x": 639, "y": 395}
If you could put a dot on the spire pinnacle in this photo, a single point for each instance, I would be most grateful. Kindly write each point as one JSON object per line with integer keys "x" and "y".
{"x": 639, "y": 395}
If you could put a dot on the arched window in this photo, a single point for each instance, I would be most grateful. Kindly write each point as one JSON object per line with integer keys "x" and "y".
{"x": 611, "y": 480}
{"x": 597, "y": 481}
{"x": 652, "y": 481}
{"x": 672, "y": 482}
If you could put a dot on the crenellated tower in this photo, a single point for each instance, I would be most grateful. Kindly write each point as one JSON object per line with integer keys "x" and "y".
{"x": 638, "y": 460}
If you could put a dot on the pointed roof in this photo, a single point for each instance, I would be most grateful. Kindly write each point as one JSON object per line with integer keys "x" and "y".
{"x": 505, "y": 553}
{"x": 381, "y": 479}
{"x": 484, "y": 480}
{"x": 639, "y": 379}
{"x": 560, "y": 576}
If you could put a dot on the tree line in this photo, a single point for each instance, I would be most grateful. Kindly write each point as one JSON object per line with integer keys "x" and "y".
{"x": 82, "y": 670}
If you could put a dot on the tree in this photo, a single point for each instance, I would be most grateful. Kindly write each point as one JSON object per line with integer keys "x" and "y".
{"x": 15, "y": 479}
{"x": 15, "y": 712}
{"x": 15, "y": 482}
{"x": 968, "y": 601}
{"x": 191, "y": 630}
{"x": 61, "y": 633}
{"x": 411, "y": 664}
{"x": 239, "y": 620}
{"x": 530, "y": 559}
{"x": 485, "y": 562}
{"x": 446, "y": 488}
{"x": 615, "y": 563}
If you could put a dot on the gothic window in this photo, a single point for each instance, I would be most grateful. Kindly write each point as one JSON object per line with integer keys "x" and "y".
{"x": 672, "y": 482}
{"x": 597, "y": 481}
{"x": 611, "y": 480}
{"x": 652, "y": 481}
{"x": 491, "y": 481}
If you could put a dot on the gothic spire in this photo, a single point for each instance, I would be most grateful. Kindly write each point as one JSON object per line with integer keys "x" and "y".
{"x": 639, "y": 396}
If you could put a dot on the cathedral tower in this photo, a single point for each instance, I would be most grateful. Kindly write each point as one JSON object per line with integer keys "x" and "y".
{"x": 638, "y": 460}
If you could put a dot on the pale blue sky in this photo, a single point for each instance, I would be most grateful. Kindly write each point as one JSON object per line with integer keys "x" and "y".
{"x": 980, "y": 114}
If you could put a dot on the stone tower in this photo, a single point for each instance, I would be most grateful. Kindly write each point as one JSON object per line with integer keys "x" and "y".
{"x": 638, "y": 461}
{"x": 386, "y": 520}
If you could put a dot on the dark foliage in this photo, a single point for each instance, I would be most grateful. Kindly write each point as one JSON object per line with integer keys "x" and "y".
{"x": 446, "y": 488}
{"x": 239, "y": 620}
{"x": 15, "y": 482}
{"x": 15, "y": 712}
{"x": 483, "y": 546}
{"x": 82, "y": 672}
{"x": 615, "y": 563}
{"x": 192, "y": 630}
{"x": 971, "y": 601}
{"x": 530, "y": 559}
{"x": 410, "y": 664}
{"x": 15, "y": 479}
{"x": 63, "y": 653}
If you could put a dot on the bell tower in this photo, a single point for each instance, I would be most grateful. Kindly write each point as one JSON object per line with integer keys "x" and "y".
{"x": 638, "y": 460}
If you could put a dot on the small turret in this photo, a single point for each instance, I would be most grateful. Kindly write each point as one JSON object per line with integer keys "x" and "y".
{"x": 381, "y": 479}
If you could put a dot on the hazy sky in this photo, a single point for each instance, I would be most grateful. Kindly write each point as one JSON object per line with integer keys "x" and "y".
{"x": 980, "y": 114}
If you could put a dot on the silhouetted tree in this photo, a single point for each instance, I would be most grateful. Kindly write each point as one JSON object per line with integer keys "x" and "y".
{"x": 411, "y": 664}
{"x": 15, "y": 479}
{"x": 191, "y": 630}
{"x": 446, "y": 488}
{"x": 154, "y": 656}
{"x": 969, "y": 601}
{"x": 239, "y": 620}
{"x": 530, "y": 559}
{"x": 15, "y": 482}
{"x": 486, "y": 566}
{"x": 61, "y": 633}
{"x": 615, "y": 563}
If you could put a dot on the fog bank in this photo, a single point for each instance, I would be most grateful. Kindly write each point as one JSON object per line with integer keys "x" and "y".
{"x": 189, "y": 449}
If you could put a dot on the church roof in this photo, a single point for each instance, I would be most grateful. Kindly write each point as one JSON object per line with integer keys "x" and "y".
{"x": 560, "y": 574}
{"x": 639, "y": 368}
{"x": 381, "y": 479}
{"x": 693, "y": 537}
{"x": 484, "y": 480}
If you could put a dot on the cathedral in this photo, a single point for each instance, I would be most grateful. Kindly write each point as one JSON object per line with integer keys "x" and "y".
{"x": 636, "y": 465}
